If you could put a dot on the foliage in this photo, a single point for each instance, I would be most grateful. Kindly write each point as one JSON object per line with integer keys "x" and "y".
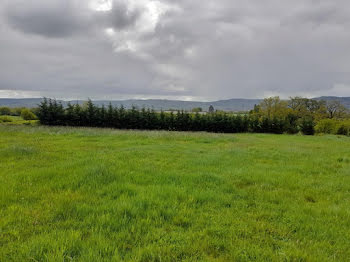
{"x": 303, "y": 114}
{"x": 5, "y": 111}
{"x": 326, "y": 126}
{"x": 343, "y": 128}
{"x": 197, "y": 109}
{"x": 271, "y": 116}
{"x": 5, "y": 119}
{"x": 332, "y": 126}
{"x": 52, "y": 113}
{"x": 26, "y": 114}
{"x": 17, "y": 120}
{"x": 81, "y": 194}
{"x": 336, "y": 110}
{"x": 307, "y": 126}
{"x": 211, "y": 109}
{"x": 273, "y": 107}
{"x": 16, "y": 111}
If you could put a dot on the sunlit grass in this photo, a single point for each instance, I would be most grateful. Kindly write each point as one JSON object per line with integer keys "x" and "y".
{"x": 16, "y": 120}
{"x": 108, "y": 195}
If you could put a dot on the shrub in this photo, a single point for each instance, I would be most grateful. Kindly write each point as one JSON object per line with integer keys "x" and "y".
{"x": 5, "y": 119}
{"x": 16, "y": 111}
{"x": 343, "y": 128}
{"x": 197, "y": 109}
{"x": 5, "y": 111}
{"x": 26, "y": 114}
{"x": 307, "y": 126}
{"x": 326, "y": 126}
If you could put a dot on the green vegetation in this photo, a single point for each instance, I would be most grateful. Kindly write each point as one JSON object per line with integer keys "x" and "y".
{"x": 271, "y": 116}
{"x": 331, "y": 126}
{"x": 5, "y": 111}
{"x": 16, "y": 120}
{"x": 197, "y": 109}
{"x": 14, "y": 111}
{"x": 79, "y": 194}
{"x": 5, "y": 119}
{"x": 26, "y": 114}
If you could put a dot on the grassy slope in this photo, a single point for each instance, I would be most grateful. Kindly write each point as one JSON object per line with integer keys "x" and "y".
{"x": 100, "y": 195}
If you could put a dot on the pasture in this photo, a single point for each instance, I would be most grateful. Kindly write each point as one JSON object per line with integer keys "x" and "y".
{"x": 80, "y": 194}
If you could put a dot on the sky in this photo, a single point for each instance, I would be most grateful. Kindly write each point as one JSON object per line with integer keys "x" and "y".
{"x": 174, "y": 49}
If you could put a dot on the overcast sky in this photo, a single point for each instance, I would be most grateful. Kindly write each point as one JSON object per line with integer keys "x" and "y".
{"x": 175, "y": 49}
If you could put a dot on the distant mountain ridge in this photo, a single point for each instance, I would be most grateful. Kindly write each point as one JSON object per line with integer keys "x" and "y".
{"x": 235, "y": 104}
{"x": 344, "y": 100}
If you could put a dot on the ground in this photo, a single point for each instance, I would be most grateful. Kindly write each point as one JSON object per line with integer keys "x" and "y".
{"x": 107, "y": 195}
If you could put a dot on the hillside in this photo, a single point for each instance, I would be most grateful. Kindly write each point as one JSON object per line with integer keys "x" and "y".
{"x": 159, "y": 104}
{"x": 344, "y": 100}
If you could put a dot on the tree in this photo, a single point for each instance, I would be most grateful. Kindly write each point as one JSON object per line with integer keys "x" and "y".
{"x": 273, "y": 107}
{"x": 70, "y": 115}
{"x": 90, "y": 113}
{"x": 271, "y": 116}
{"x": 291, "y": 123}
{"x": 109, "y": 116}
{"x": 335, "y": 109}
{"x": 43, "y": 112}
{"x": 78, "y": 115}
{"x": 211, "y": 109}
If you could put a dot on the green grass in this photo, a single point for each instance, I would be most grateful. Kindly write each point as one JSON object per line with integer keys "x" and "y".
{"x": 16, "y": 120}
{"x": 83, "y": 194}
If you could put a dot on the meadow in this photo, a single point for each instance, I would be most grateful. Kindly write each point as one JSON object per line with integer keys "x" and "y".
{"x": 85, "y": 194}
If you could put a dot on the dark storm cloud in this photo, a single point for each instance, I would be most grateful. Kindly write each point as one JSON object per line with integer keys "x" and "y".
{"x": 212, "y": 49}
{"x": 65, "y": 18}
{"x": 47, "y": 18}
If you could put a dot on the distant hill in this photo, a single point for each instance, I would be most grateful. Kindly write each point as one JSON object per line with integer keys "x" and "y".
{"x": 160, "y": 104}
{"x": 344, "y": 100}
{"x": 25, "y": 102}
{"x": 157, "y": 104}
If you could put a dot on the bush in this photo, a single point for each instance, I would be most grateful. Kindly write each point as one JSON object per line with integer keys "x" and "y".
{"x": 197, "y": 109}
{"x": 331, "y": 126}
{"x": 5, "y": 119}
{"x": 343, "y": 128}
{"x": 326, "y": 126}
{"x": 307, "y": 126}
{"x": 5, "y": 111}
{"x": 16, "y": 111}
{"x": 26, "y": 114}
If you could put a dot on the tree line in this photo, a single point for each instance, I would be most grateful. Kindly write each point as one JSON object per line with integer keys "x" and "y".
{"x": 271, "y": 116}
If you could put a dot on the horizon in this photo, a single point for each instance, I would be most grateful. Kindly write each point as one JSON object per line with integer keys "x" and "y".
{"x": 160, "y": 99}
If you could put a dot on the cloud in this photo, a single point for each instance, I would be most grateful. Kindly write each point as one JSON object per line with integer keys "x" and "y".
{"x": 206, "y": 49}
{"x": 47, "y": 18}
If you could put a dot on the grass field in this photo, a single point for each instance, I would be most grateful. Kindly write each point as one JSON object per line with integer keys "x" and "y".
{"x": 71, "y": 194}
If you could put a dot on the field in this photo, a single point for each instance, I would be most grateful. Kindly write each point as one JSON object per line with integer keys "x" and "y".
{"x": 79, "y": 194}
